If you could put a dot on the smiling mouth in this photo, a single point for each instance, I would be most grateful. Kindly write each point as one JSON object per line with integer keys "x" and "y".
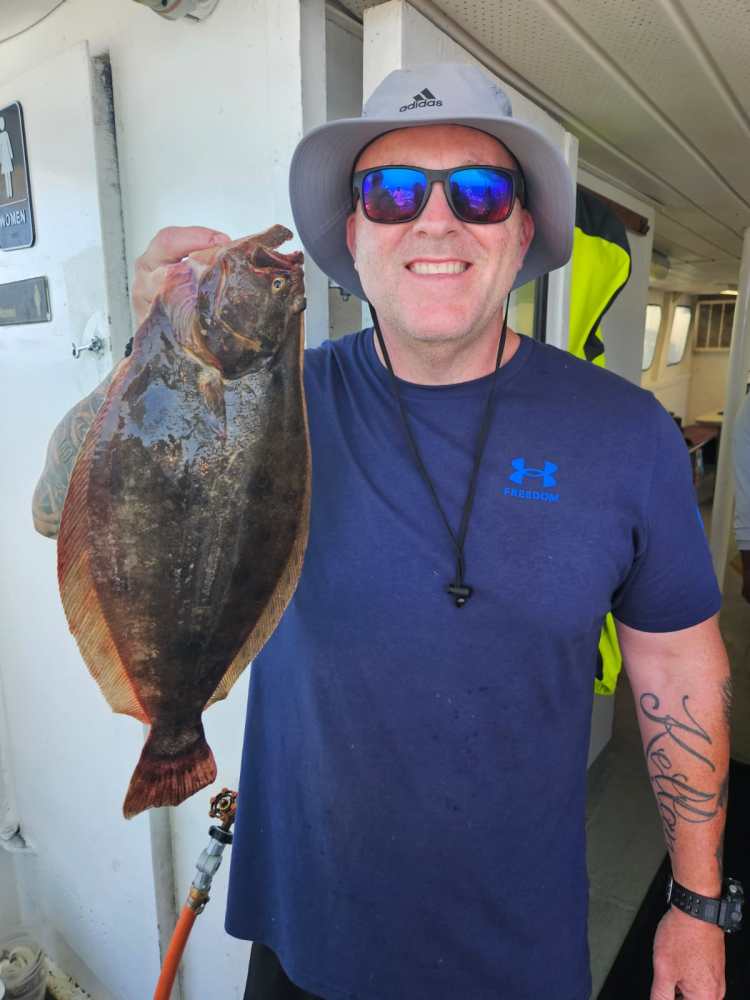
{"x": 438, "y": 267}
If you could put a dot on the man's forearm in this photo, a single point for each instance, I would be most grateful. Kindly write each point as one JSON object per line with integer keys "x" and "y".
{"x": 684, "y": 717}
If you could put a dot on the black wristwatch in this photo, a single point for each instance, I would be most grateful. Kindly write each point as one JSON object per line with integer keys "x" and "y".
{"x": 725, "y": 912}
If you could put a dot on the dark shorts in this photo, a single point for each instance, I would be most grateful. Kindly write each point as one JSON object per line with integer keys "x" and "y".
{"x": 266, "y": 980}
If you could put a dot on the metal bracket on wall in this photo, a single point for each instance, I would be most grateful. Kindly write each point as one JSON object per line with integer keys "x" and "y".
{"x": 95, "y": 345}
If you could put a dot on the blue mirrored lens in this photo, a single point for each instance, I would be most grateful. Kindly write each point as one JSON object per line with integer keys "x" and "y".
{"x": 393, "y": 194}
{"x": 481, "y": 195}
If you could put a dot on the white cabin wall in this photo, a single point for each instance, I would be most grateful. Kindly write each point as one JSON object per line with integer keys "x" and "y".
{"x": 344, "y": 71}
{"x": 207, "y": 116}
{"x": 10, "y": 912}
{"x": 708, "y": 385}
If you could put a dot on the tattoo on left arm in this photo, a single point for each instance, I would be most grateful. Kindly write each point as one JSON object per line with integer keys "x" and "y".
{"x": 682, "y": 797}
{"x": 64, "y": 446}
{"x": 726, "y": 699}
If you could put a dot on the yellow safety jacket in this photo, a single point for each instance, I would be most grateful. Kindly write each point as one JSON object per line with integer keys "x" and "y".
{"x": 601, "y": 268}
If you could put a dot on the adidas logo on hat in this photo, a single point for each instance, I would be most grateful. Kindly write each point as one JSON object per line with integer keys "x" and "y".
{"x": 424, "y": 99}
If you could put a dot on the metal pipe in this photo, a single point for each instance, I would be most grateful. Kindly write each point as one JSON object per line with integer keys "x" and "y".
{"x": 739, "y": 356}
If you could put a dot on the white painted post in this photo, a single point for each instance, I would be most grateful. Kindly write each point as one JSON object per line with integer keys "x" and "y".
{"x": 739, "y": 354}
{"x": 559, "y": 281}
{"x": 313, "y": 80}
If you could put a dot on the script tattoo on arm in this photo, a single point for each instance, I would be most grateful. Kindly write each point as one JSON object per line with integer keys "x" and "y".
{"x": 62, "y": 452}
{"x": 680, "y": 797}
{"x": 727, "y": 695}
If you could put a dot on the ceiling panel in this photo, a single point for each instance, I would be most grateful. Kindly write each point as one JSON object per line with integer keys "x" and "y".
{"x": 649, "y": 47}
{"x": 694, "y": 245}
{"x": 725, "y": 27}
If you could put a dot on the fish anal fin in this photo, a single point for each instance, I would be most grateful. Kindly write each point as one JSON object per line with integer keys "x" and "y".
{"x": 167, "y": 779}
{"x": 80, "y": 600}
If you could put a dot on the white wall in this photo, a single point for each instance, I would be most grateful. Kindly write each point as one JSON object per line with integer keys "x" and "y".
{"x": 708, "y": 386}
{"x": 344, "y": 70}
{"x": 207, "y": 117}
{"x": 10, "y": 913}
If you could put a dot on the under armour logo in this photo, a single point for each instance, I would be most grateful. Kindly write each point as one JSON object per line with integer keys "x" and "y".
{"x": 545, "y": 474}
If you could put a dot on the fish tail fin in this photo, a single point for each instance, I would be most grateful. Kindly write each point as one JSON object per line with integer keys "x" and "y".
{"x": 172, "y": 767}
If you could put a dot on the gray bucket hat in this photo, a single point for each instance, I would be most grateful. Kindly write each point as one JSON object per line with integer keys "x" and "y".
{"x": 450, "y": 93}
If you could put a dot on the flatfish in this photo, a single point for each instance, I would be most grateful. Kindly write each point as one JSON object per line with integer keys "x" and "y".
{"x": 185, "y": 522}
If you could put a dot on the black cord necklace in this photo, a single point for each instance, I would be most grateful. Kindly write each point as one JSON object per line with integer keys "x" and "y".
{"x": 459, "y": 589}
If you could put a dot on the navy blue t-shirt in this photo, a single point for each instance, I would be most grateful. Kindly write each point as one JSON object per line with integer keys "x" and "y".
{"x": 412, "y": 797}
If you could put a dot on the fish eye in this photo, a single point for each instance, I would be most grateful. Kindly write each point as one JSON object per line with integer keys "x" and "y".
{"x": 278, "y": 283}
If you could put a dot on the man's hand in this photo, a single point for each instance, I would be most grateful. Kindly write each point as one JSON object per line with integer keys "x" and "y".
{"x": 688, "y": 959}
{"x": 169, "y": 246}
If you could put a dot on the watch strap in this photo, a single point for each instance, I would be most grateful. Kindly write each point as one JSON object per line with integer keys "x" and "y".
{"x": 703, "y": 907}
{"x": 725, "y": 912}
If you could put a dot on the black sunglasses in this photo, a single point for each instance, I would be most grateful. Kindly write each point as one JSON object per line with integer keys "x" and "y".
{"x": 476, "y": 194}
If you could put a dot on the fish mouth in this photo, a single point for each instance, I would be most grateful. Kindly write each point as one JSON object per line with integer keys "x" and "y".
{"x": 263, "y": 257}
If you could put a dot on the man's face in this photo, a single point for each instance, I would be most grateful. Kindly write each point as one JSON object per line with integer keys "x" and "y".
{"x": 438, "y": 307}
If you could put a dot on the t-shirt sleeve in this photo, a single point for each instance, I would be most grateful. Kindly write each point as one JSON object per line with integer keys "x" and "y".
{"x": 671, "y": 583}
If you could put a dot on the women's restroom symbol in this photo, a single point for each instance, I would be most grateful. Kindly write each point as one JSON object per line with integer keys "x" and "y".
{"x": 6, "y": 159}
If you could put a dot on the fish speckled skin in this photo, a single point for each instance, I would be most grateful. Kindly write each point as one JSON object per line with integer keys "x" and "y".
{"x": 185, "y": 522}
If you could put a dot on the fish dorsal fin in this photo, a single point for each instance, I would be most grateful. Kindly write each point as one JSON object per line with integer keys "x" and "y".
{"x": 78, "y": 590}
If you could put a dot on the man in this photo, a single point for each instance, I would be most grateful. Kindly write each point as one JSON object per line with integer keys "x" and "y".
{"x": 412, "y": 798}
{"x": 741, "y": 460}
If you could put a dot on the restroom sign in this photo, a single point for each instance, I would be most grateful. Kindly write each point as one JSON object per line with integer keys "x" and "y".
{"x": 16, "y": 221}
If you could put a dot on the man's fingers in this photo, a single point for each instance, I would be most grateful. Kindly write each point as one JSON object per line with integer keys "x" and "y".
{"x": 175, "y": 242}
{"x": 663, "y": 985}
{"x": 662, "y": 991}
{"x": 168, "y": 247}
{"x": 145, "y": 288}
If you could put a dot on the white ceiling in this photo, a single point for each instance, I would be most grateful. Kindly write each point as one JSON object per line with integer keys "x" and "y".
{"x": 658, "y": 94}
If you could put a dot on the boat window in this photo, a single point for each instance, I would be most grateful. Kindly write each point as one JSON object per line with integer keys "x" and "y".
{"x": 678, "y": 334}
{"x": 714, "y": 325}
{"x": 653, "y": 321}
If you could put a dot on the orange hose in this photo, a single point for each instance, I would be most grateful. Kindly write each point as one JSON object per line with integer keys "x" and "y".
{"x": 174, "y": 953}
